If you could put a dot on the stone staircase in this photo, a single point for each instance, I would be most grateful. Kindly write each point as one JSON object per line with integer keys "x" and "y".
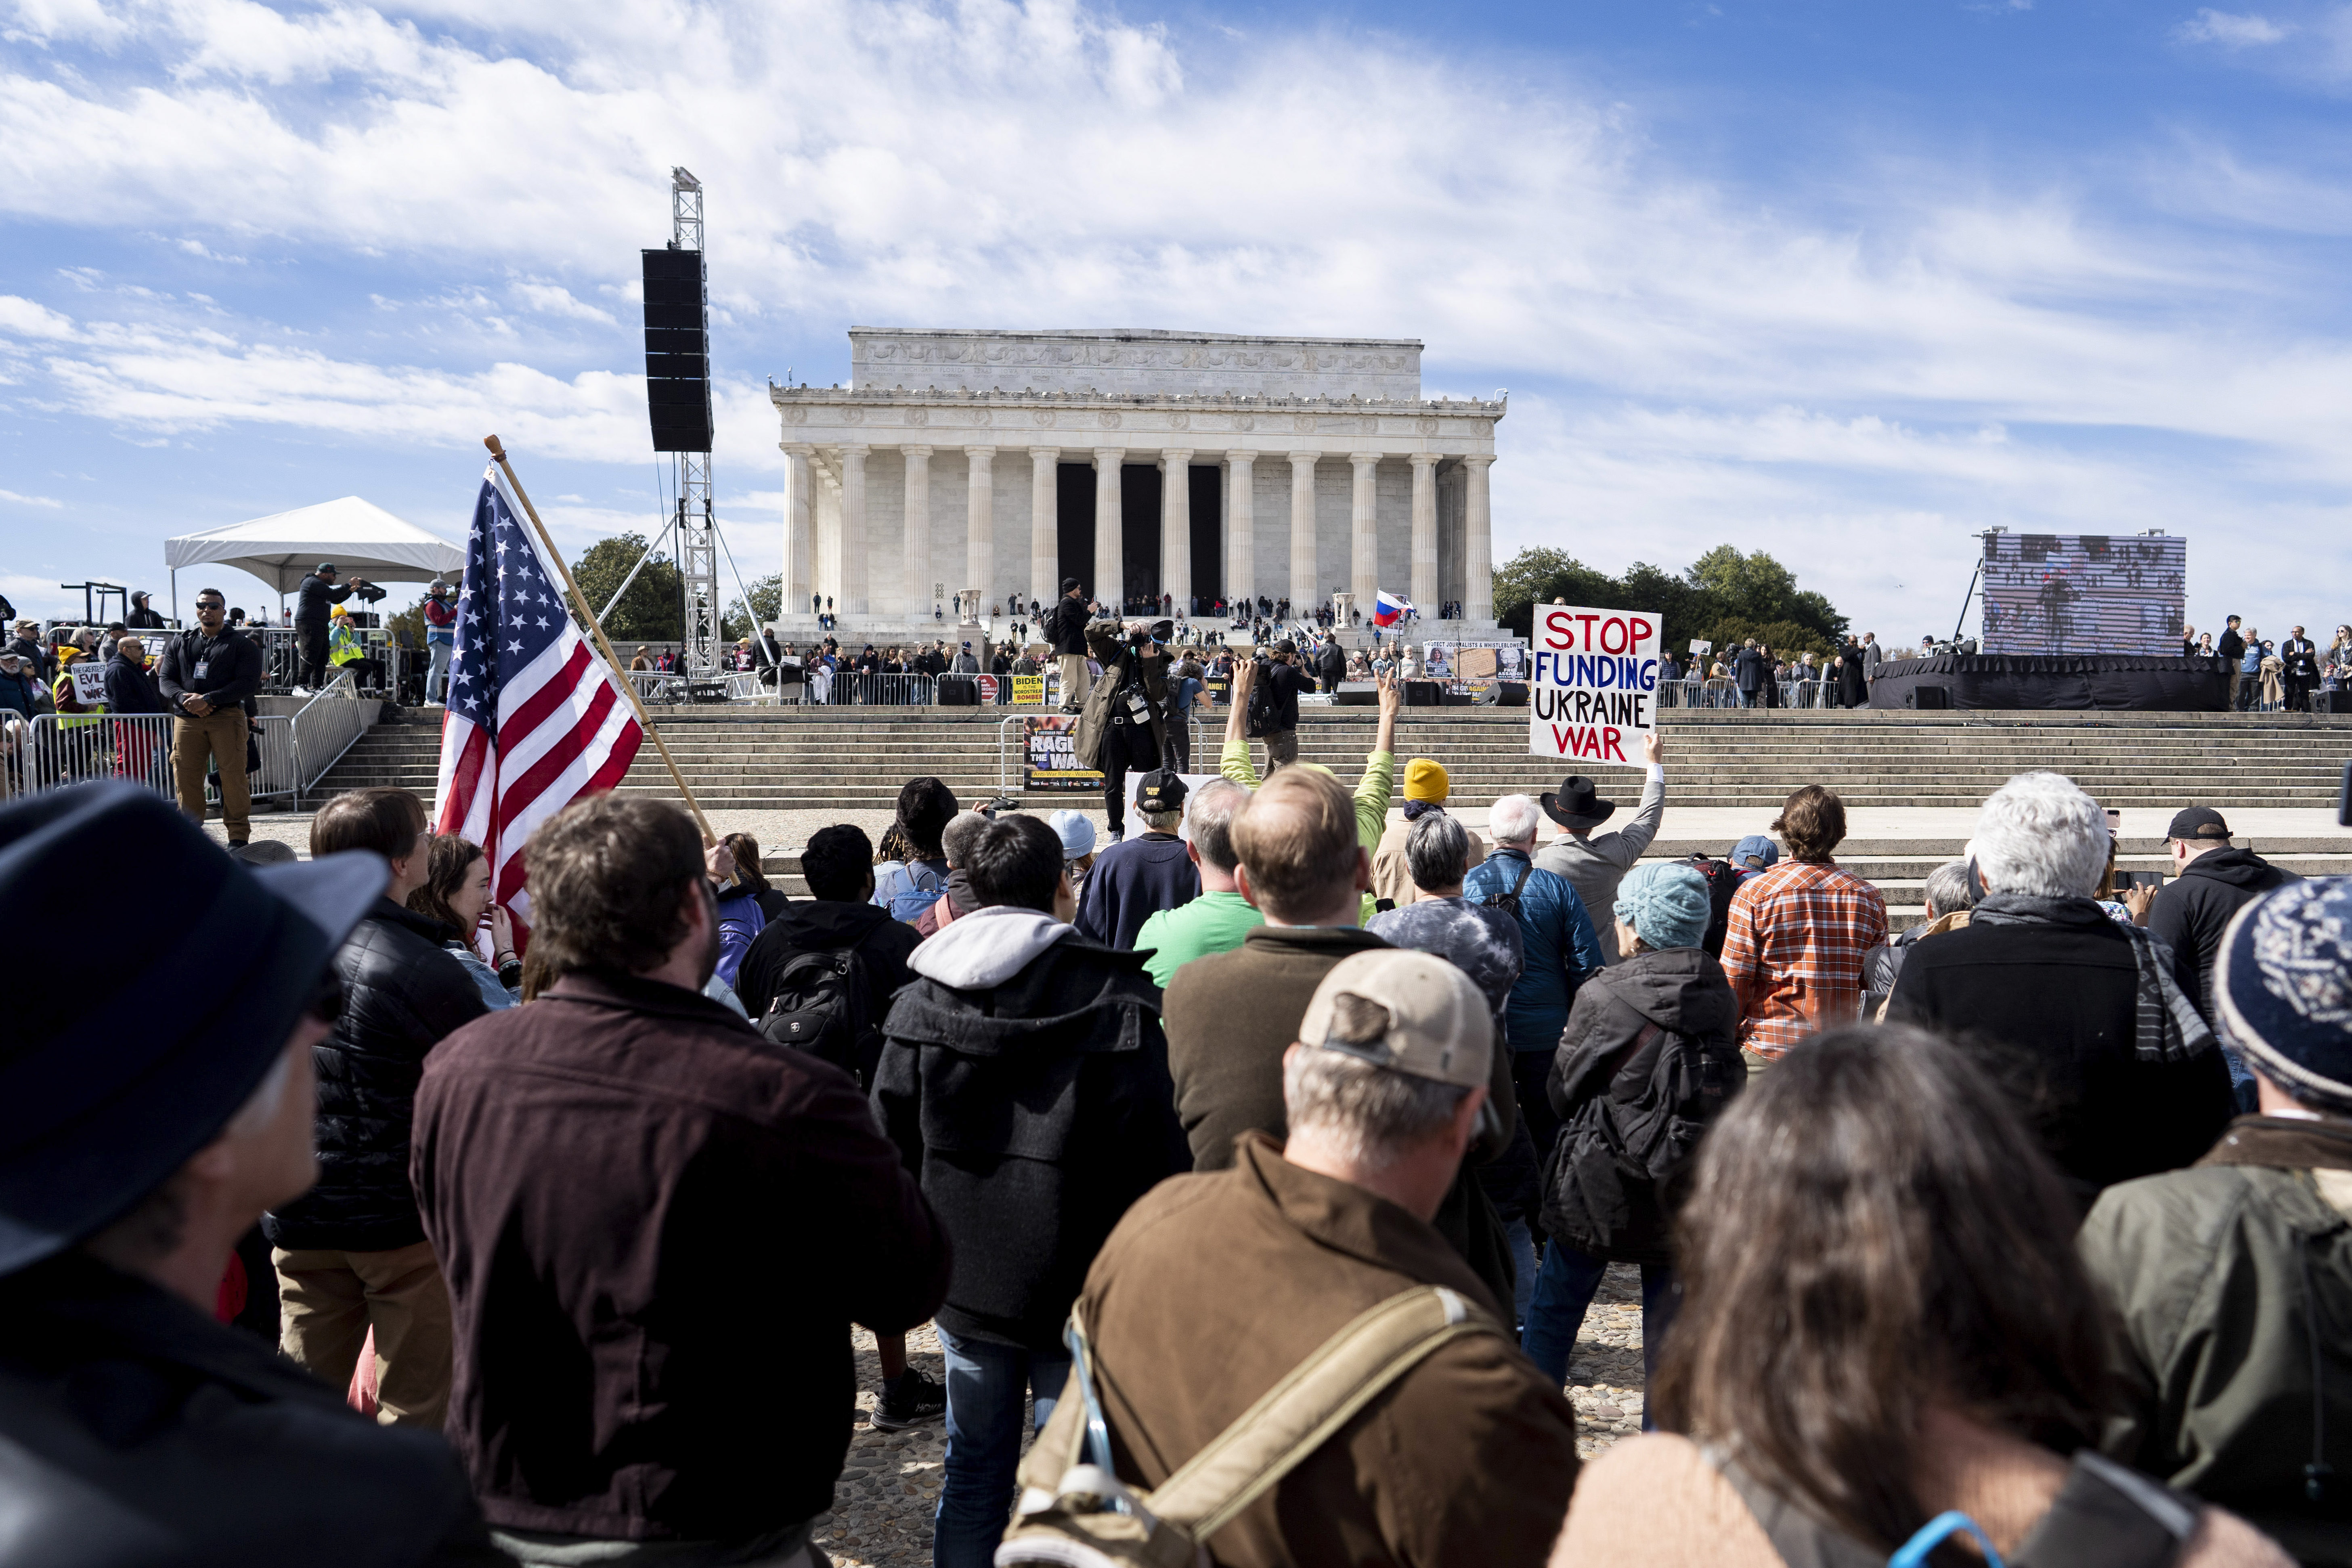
{"x": 856, "y": 758}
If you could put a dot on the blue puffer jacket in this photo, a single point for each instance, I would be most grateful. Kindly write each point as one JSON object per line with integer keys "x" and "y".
{"x": 1561, "y": 948}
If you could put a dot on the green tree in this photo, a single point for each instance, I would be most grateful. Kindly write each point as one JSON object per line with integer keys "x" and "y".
{"x": 1723, "y": 595}
{"x": 412, "y": 619}
{"x": 767, "y": 605}
{"x": 651, "y": 611}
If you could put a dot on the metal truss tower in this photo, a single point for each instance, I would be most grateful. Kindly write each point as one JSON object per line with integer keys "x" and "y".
{"x": 698, "y": 530}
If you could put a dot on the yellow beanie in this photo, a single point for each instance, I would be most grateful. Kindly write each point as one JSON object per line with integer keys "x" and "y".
{"x": 1426, "y": 780}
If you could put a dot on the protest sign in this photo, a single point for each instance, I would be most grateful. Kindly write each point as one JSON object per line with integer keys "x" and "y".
{"x": 1048, "y": 759}
{"x": 90, "y": 683}
{"x": 1595, "y": 687}
{"x": 1028, "y": 691}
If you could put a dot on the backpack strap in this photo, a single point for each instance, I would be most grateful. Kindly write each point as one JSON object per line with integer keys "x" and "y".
{"x": 1303, "y": 1411}
{"x": 2106, "y": 1516}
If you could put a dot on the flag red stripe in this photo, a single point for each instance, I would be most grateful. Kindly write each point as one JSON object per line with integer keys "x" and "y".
{"x": 552, "y": 694}
{"x": 516, "y": 797}
{"x": 467, "y": 776}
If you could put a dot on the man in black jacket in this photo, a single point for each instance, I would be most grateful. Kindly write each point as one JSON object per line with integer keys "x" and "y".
{"x": 314, "y": 598}
{"x": 1066, "y": 627}
{"x": 138, "y": 1429}
{"x": 1025, "y": 1077}
{"x": 2231, "y": 648}
{"x": 1331, "y": 668}
{"x": 2300, "y": 657}
{"x": 2213, "y": 880}
{"x": 658, "y": 1229}
{"x": 143, "y": 617}
{"x": 1134, "y": 880}
{"x": 352, "y": 1254}
{"x": 2065, "y": 1005}
{"x": 838, "y": 916}
{"x": 207, "y": 676}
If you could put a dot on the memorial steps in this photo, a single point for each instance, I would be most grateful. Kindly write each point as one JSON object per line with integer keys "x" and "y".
{"x": 856, "y": 759}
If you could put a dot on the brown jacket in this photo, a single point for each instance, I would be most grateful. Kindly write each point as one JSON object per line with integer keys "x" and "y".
{"x": 1654, "y": 1501}
{"x": 1393, "y": 879}
{"x": 1469, "y": 1459}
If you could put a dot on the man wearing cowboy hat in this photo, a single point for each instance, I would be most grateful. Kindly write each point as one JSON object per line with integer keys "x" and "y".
{"x": 137, "y": 1143}
{"x": 1593, "y": 866}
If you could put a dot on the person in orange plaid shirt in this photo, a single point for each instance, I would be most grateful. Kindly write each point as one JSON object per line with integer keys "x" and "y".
{"x": 1798, "y": 932}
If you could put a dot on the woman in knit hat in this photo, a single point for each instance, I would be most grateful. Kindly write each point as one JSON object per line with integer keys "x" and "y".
{"x": 1651, "y": 1055}
{"x": 1426, "y": 787}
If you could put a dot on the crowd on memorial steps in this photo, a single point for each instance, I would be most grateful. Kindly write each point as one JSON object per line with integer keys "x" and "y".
{"x": 1255, "y": 1164}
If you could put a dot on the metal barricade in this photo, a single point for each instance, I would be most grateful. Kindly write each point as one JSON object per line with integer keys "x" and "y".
{"x": 329, "y": 725}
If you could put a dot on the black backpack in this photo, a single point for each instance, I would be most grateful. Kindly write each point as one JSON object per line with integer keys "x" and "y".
{"x": 1509, "y": 902}
{"x": 823, "y": 1005}
{"x": 1619, "y": 1167}
{"x": 1722, "y": 881}
{"x": 1262, "y": 706}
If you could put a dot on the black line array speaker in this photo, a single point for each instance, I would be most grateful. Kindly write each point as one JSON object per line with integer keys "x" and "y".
{"x": 1929, "y": 696}
{"x": 677, "y": 352}
{"x": 1420, "y": 694}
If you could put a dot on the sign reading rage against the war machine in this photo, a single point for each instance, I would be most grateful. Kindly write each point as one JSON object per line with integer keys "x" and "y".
{"x": 1592, "y": 685}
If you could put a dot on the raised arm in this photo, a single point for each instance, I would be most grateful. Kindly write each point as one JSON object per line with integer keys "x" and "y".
{"x": 1234, "y": 763}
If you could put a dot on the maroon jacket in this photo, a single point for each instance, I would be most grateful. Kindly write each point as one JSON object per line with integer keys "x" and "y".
{"x": 658, "y": 1229}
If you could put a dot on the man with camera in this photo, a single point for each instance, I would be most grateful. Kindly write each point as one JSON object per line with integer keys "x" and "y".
{"x": 1065, "y": 626}
{"x": 1124, "y": 723}
{"x": 1267, "y": 690}
{"x": 314, "y": 597}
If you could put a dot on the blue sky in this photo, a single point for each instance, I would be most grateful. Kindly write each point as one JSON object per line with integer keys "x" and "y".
{"x": 1845, "y": 282}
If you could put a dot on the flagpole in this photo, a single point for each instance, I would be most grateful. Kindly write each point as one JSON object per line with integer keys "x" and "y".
{"x": 499, "y": 454}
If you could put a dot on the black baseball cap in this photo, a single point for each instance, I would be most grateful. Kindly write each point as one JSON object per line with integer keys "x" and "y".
{"x": 1162, "y": 789}
{"x": 326, "y": 566}
{"x": 2199, "y": 824}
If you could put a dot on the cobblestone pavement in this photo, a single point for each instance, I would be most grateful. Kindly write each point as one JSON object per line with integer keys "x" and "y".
{"x": 889, "y": 1487}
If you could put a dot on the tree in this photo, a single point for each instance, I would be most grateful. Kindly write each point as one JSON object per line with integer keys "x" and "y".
{"x": 1723, "y": 596}
{"x": 412, "y": 619}
{"x": 767, "y": 605}
{"x": 651, "y": 612}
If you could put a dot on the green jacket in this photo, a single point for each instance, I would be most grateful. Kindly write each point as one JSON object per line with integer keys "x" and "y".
{"x": 2227, "y": 1281}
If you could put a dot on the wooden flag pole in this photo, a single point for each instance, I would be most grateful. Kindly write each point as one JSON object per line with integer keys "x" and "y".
{"x": 498, "y": 453}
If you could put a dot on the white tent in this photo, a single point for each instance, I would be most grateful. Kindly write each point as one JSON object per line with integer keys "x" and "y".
{"x": 362, "y": 539}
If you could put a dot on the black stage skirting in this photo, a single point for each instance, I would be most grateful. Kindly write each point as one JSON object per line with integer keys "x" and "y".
{"x": 2114, "y": 681}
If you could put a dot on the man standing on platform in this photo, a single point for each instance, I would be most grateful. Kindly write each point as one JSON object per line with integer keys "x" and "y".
{"x": 1065, "y": 628}
{"x": 2300, "y": 657}
{"x": 440, "y": 640}
{"x": 1872, "y": 657}
{"x": 312, "y": 599}
{"x": 2232, "y": 647}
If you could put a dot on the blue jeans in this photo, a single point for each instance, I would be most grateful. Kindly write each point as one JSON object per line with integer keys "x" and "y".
{"x": 985, "y": 1384}
{"x": 1564, "y": 1291}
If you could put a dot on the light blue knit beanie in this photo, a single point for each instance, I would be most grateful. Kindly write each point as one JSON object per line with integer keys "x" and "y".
{"x": 1666, "y": 903}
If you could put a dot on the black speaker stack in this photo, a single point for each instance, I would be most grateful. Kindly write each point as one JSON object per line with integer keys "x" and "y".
{"x": 677, "y": 352}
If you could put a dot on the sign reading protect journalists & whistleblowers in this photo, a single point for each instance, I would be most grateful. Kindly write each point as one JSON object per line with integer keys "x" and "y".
{"x": 1592, "y": 692}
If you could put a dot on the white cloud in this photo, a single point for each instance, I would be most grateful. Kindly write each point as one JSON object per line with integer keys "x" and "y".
{"x": 12, "y": 499}
{"x": 22, "y": 318}
{"x": 554, "y": 300}
{"x": 2230, "y": 29}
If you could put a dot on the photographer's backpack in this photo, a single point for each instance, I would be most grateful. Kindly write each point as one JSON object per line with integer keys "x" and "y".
{"x": 1722, "y": 881}
{"x": 821, "y": 1006}
{"x": 1262, "y": 706}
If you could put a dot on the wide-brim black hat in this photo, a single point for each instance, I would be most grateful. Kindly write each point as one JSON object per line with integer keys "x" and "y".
{"x": 124, "y": 1058}
{"x": 1578, "y": 804}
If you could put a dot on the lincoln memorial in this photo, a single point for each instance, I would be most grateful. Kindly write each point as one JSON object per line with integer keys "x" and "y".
{"x": 1199, "y": 465}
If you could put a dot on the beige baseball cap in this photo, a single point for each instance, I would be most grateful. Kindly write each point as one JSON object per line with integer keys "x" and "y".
{"x": 1405, "y": 1011}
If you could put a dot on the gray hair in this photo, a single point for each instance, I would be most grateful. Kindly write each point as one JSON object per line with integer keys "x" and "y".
{"x": 1514, "y": 818}
{"x": 1164, "y": 821}
{"x": 2040, "y": 836}
{"x": 1210, "y": 812}
{"x": 955, "y": 838}
{"x": 1375, "y": 1115}
{"x": 1948, "y": 890}
{"x": 1437, "y": 851}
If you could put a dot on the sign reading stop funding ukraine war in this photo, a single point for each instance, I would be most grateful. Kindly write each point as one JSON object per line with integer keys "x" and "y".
{"x": 1592, "y": 683}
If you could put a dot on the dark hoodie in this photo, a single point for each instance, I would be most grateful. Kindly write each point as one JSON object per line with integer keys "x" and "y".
{"x": 1024, "y": 1079}
{"x": 828, "y": 925}
{"x": 2192, "y": 911}
{"x": 1608, "y": 1079}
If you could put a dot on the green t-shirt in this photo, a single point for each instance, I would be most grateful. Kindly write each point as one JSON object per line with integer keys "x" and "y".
{"x": 1214, "y": 922}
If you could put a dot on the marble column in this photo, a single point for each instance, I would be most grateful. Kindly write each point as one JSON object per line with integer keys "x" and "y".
{"x": 1045, "y": 524}
{"x": 1241, "y": 527}
{"x": 1364, "y": 537}
{"x": 1110, "y": 571}
{"x": 1303, "y": 591}
{"x": 852, "y": 531}
{"x": 799, "y": 515}
{"x": 919, "y": 580}
{"x": 827, "y": 580}
{"x": 1176, "y": 527}
{"x": 1477, "y": 542}
{"x": 1424, "y": 532}
{"x": 980, "y": 519}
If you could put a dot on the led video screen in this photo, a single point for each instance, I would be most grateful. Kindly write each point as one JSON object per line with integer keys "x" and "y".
{"x": 2063, "y": 592}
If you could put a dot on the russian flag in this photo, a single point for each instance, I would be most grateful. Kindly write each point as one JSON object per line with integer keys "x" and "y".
{"x": 1387, "y": 607}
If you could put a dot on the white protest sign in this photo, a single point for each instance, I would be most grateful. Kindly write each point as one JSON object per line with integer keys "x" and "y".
{"x": 1593, "y": 690}
{"x": 89, "y": 683}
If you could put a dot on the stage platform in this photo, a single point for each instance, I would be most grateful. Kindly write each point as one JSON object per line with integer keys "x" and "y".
{"x": 2114, "y": 683}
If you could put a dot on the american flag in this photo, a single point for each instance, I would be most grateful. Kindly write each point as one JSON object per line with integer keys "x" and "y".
{"x": 536, "y": 719}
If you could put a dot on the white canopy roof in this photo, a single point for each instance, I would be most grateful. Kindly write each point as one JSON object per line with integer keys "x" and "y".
{"x": 362, "y": 539}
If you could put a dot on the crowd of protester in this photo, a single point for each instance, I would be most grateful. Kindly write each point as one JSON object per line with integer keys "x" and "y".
{"x": 1260, "y": 1164}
